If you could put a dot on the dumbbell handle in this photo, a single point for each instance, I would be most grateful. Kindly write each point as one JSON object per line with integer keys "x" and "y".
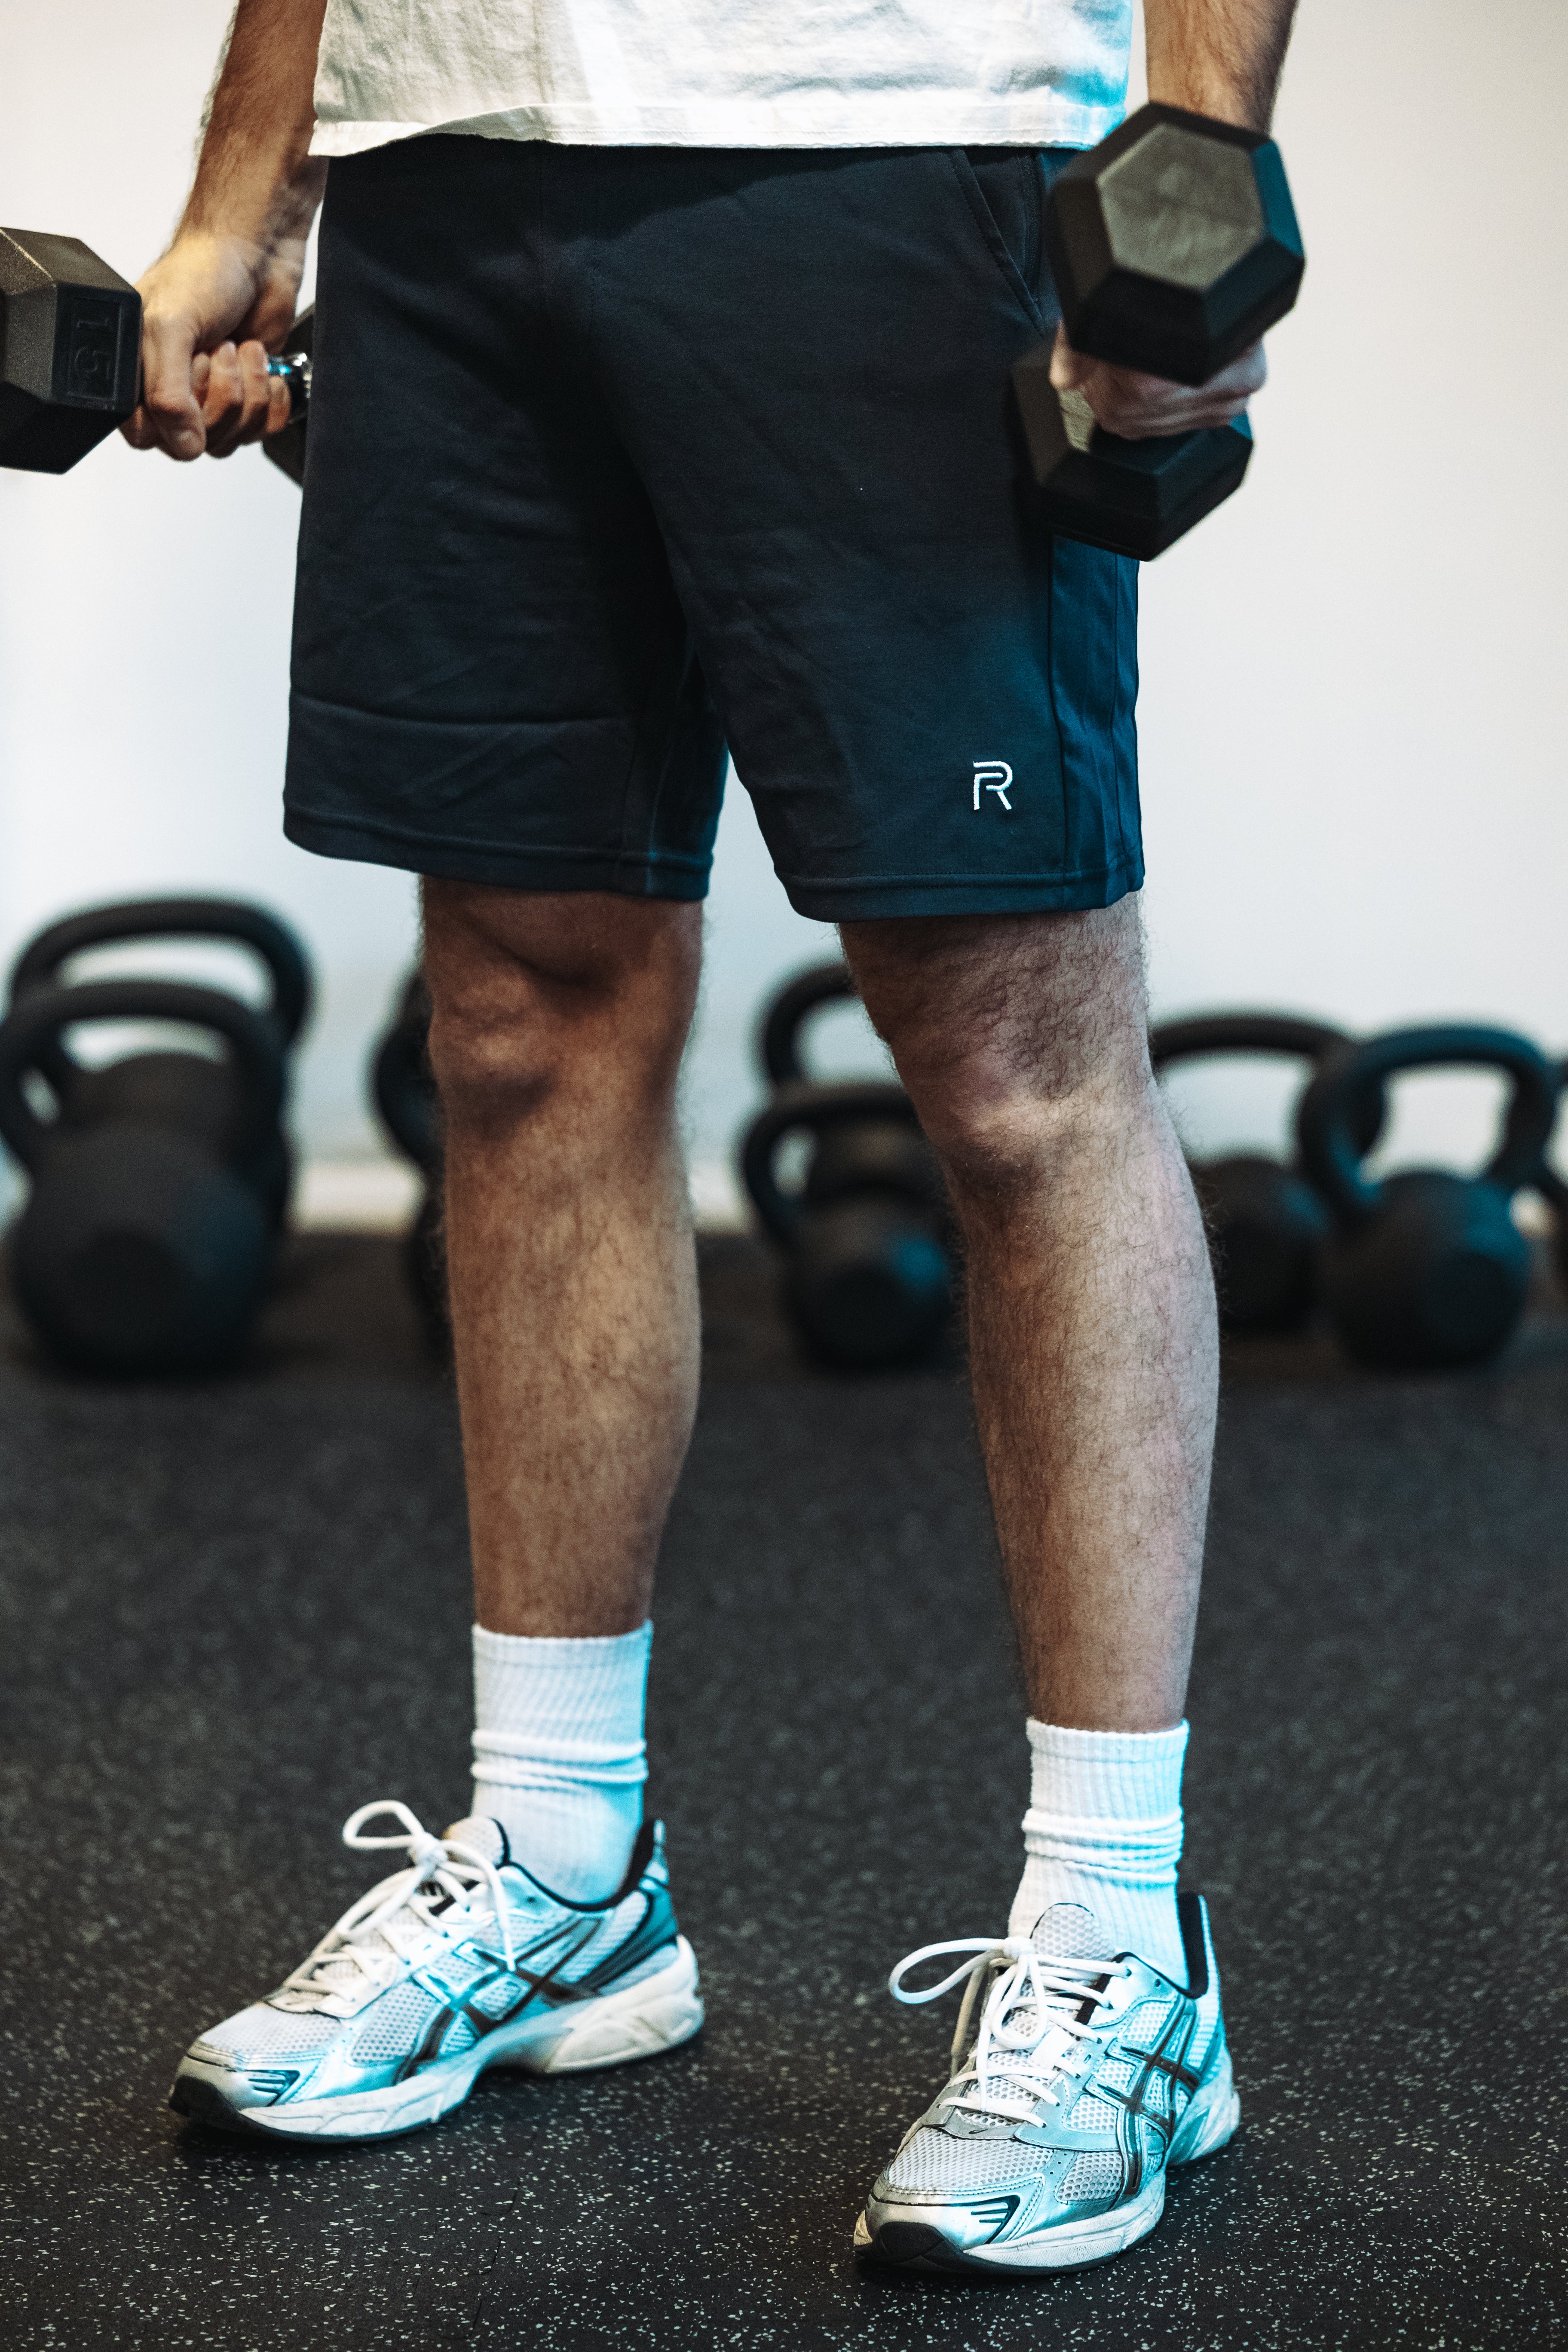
{"x": 294, "y": 367}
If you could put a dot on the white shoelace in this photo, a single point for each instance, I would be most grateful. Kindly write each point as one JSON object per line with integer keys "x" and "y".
{"x": 1032, "y": 2042}
{"x": 444, "y": 1867}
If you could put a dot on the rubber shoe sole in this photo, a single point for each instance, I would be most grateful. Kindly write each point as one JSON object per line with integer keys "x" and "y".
{"x": 908, "y": 2243}
{"x": 648, "y": 2018}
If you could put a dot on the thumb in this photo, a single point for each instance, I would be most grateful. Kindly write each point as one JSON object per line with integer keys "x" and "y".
{"x": 1070, "y": 369}
{"x": 170, "y": 411}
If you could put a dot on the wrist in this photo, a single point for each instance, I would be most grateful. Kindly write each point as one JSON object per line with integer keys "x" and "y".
{"x": 264, "y": 199}
{"x": 1212, "y": 92}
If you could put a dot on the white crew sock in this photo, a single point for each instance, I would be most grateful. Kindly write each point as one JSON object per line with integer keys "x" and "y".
{"x": 559, "y": 1755}
{"x": 1104, "y": 1829}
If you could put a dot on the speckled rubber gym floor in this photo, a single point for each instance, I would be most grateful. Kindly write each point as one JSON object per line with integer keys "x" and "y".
{"x": 234, "y": 1612}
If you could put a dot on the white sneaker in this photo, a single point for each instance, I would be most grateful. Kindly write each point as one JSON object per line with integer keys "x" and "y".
{"x": 458, "y": 1962}
{"x": 1087, "y": 2077}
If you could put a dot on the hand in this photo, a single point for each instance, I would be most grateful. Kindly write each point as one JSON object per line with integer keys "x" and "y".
{"x": 1136, "y": 407}
{"x": 211, "y": 309}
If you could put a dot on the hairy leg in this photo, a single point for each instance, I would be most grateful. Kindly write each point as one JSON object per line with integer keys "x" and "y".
{"x": 1022, "y": 1040}
{"x": 557, "y": 1028}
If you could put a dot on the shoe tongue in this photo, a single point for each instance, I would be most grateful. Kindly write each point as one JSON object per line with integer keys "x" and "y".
{"x": 1064, "y": 1931}
{"x": 482, "y": 1835}
{"x": 1068, "y": 1931}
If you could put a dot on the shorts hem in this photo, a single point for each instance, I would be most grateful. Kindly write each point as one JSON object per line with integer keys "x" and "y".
{"x": 961, "y": 894}
{"x": 653, "y": 875}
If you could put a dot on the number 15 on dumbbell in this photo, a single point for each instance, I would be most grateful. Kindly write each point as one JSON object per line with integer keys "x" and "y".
{"x": 71, "y": 356}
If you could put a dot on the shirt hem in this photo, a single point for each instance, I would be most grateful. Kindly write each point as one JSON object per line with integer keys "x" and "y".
{"x": 1047, "y": 121}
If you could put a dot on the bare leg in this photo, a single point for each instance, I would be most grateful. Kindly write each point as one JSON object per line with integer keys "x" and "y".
{"x": 558, "y": 1025}
{"x": 1022, "y": 1040}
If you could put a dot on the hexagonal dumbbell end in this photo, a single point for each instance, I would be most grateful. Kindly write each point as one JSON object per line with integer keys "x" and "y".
{"x": 1136, "y": 497}
{"x": 1174, "y": 244}
{"x": 70, "y": 350}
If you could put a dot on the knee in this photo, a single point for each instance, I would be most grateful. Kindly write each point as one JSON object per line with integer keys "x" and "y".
{"x": 1023, "y": 1044}
{"x": 537, "y": 997}
{"x": 1005, "y": 1128}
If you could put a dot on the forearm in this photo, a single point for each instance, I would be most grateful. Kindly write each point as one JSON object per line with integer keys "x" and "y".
{"x": 255, "y": 177}
{"x": 1221, "y": 58}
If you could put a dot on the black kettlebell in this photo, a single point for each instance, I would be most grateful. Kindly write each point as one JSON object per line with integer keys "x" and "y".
{"x": 145, "y": 1244}
{"x": 404, "y": 1092}
{"x": 1554, "y": 1191}
{"x": 848, "y": 1156}
{"x": 868, "y": 1280}
{"x": 1426, "y": 1271}
{"x": 1264, "y": 1219}
{"x": 186, "y": 1091}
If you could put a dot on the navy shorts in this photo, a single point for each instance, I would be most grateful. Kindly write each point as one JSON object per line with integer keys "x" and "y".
{"x": 620, "y": 456}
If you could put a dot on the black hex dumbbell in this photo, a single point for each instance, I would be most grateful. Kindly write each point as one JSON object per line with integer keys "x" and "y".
{"x": 1175, "y": 247}
{"x": 71, "y": 356}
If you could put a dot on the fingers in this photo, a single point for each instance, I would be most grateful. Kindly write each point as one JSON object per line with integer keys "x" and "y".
{"x": 282, "y": 405}
{"x": 238, "y": 406}
{"x": 1136, "y": 407}
{"x": 170, "y": 415}
{"x": 1068, "y": 368}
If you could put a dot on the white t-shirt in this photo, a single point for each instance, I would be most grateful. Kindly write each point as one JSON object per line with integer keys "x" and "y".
{"x": 724, "y": 73}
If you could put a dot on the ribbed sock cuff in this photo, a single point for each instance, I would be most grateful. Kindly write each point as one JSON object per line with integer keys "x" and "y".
{"x": 553, "y": 1710}
{"x": 1121, "y": 1776}
{"x": 1104, "y": 1830}
{"x": 1107, "y": 1802}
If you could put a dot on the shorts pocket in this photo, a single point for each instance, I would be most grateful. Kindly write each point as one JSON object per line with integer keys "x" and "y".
{"x": 1005, "y": 190}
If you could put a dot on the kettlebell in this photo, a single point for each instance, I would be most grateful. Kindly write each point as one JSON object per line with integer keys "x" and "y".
{"x": 1425, "y": 1270}
{"x": 848, "y": 1156}
{"x": 182, "y": 1090}
{"x": 146, "y": 1243}
{"x": 403, "y": 1092}
{"x": 1264, "y": 1219}
{"x": 867, "y": 1277}
{"x": 1554, "y": 1191}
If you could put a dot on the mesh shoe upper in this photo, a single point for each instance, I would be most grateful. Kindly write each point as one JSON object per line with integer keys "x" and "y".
{"x": 437, "y": 1956}
{"x": 1066, "y": 2095}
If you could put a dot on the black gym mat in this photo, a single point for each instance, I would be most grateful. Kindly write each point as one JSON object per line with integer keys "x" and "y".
{"x": 234, "y": 1612}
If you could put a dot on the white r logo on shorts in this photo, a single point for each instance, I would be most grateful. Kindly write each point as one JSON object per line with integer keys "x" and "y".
{"x": 996, "y": 776}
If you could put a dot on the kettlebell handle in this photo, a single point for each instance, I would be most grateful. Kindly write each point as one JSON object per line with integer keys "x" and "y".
{"x": 40, "y": 963}
{"x": 1325, "y": 1120}
{"x": 1242, "y": 1033}
{"x": 816, "y": 1107}
{"x": 36, "y": 1022}
{"x": 1287, "y": 1034}
{"x": 778, "y": 1040}
{"x": 402, "y": 1091}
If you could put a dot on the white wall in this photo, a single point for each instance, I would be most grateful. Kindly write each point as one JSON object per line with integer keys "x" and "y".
{"x": 1353, "y": 692}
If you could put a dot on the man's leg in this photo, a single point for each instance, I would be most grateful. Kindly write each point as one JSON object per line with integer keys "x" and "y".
{"x": 1022, "y": 1040}
{"x": 557, "y": 1027}
{"x": 558, "y": 1023}
{"x": 1096, "y": 2056}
